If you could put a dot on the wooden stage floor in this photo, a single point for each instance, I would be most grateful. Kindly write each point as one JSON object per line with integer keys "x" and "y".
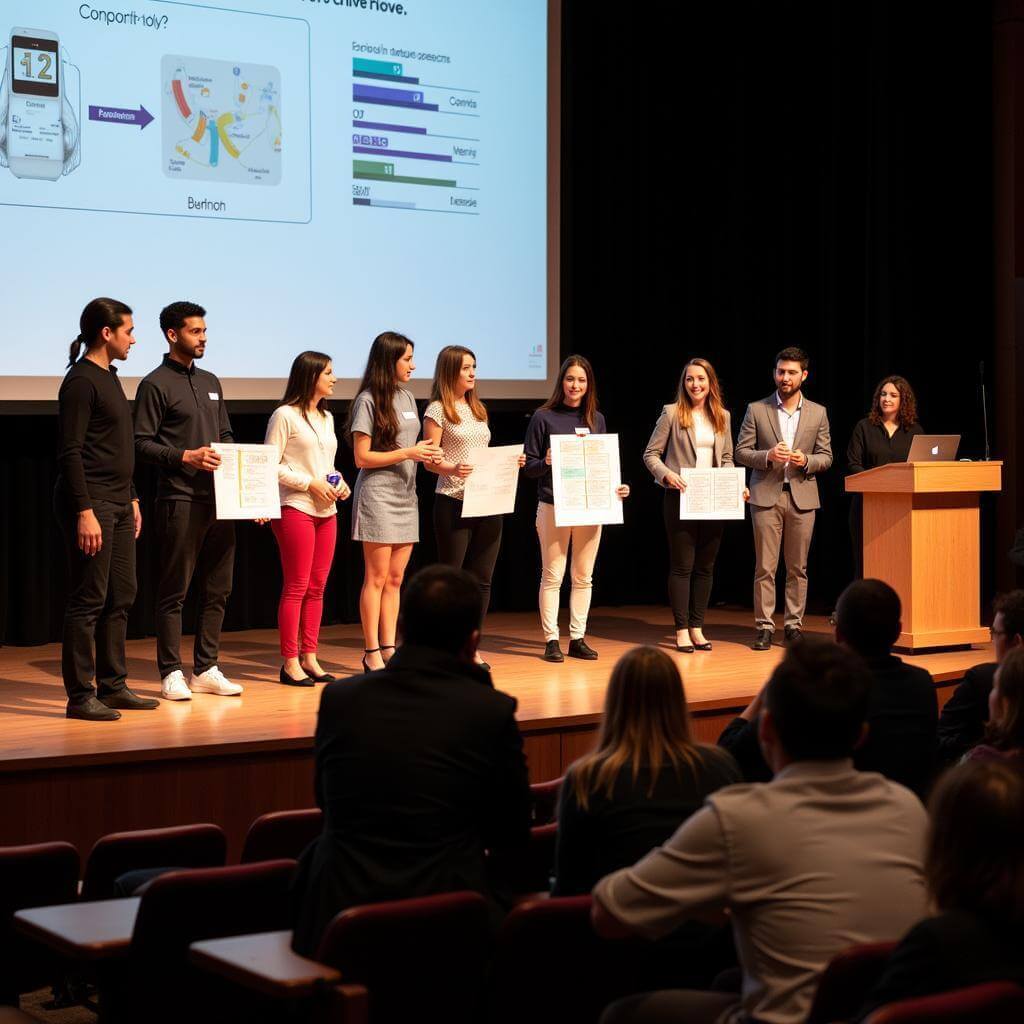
{"x": 228, "y": 759}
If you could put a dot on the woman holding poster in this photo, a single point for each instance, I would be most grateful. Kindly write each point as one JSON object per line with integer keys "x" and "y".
{"x": 456, "y": 420}
{"x": 571, "y": 409}
{"x": 694, "y": 431}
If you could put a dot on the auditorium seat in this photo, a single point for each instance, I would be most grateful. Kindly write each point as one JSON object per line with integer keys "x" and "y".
{"x": 847, "y": 980}
{"x": 31, "y": 876}
{"x": 550, "y": 967}
{"x": 515, "y": 870}
{"x": 544, "y": 798}
{"x": 281, "y": 834}
{"x": 156, "y": 982}
{"x": 183, "y": 846}
{"x": 997, "y": 1002}
{"x": 419, "y": 959}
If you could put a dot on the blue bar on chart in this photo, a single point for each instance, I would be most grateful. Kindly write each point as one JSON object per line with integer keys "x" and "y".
{"x": 444, "y": 121}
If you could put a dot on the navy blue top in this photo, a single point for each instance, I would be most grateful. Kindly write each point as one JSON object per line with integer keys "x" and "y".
{"x": 544, "y": 423}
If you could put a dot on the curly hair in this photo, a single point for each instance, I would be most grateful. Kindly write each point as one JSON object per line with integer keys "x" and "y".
{"x": 906, "y": 415}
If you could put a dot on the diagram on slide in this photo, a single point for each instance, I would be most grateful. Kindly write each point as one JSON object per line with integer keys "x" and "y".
{"x": 221, "y": 120}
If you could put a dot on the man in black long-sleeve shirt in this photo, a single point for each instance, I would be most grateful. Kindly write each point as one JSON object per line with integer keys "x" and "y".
{"x": 179, "y": 413}
{"x": 99, "y": 516}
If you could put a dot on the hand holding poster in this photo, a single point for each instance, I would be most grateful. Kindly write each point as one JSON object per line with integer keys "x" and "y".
{"x": 491, "y": 487}
{"x": 245, "y": 482}
{"x": 712, "y": 493}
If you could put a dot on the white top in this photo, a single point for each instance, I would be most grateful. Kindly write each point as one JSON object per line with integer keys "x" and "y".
{"x": 789, "y": 423}
{"x": 307, "y": 451}
{"x": 457, "y": 442}
{"x": 703, "y": 440}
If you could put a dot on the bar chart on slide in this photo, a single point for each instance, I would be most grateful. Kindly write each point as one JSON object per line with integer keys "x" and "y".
{"x": 416, "y": 138}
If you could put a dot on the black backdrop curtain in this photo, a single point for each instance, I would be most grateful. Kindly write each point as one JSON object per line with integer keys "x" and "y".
{"x": 736, "y": 178}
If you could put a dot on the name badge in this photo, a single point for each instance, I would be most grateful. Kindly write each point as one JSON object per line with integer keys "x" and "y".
{"x": 582, "y": 431}
{"x": 214, "y": 397}
{"x": 406, "y": 415}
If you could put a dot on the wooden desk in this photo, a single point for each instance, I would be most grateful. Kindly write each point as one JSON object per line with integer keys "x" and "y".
{"x": 100, "y": 930}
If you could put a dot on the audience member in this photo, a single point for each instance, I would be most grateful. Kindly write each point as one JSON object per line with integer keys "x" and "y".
{"x": 646, "y": 777}
{"x": 820, "y": 858}
{"x": 902, "y": 709}
{"x": 1004, "y": 735}
{"x": 419, "y": 766}
{"x": 974, "y": 869}
{"x": 963, "y": 718}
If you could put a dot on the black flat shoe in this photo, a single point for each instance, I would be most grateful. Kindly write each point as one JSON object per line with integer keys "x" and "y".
{"x": 91, "y": 710}
{"x": 325, "y": 678}
{"x": 289, "y": 681}
{"x": 684, "y": 648}
{"x": 552, "y": 652}
{"x": 703, "y": 647}
{"x": 125, "y": 700}
{"x": 581, "y": 649}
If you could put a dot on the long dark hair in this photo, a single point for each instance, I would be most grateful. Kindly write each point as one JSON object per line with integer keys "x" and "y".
{"x": 97, "y": 314}
{"x": 446, "y": 375}
{"x": 379, "y": 380}
{"x": 1006, "y": 730}
{"x": 645, "y": 724}
{"x": 302, "y": 379}
{"x": 588, "y": 408}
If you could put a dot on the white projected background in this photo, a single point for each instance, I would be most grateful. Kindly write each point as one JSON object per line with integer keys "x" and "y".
{"x": 311, "y": 171}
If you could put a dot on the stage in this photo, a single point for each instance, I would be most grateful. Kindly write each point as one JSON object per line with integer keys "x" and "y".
{"x": 226, "y": 760}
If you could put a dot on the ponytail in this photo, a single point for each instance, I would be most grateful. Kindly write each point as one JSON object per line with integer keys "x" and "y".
{"x": 75, "y": 350}
{"x": 97, "y": 314}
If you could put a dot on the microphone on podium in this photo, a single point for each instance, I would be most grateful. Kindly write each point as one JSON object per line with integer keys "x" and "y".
{"x": 984, "y": 408}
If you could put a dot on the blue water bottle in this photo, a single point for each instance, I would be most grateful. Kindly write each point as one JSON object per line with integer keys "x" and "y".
{"x": 334, "y": 479}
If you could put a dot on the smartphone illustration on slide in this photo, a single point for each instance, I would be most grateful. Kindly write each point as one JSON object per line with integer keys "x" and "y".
{"x": 35, "y": 129}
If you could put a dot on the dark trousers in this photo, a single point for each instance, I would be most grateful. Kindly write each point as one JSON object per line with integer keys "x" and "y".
{"x": 101, "y": 589}
{"x": 192, "y": 542}
{"x": 692, "y": 547}
{"x": 470, "y": 544}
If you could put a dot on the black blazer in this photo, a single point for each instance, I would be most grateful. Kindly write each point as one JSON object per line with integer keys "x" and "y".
{"x": 419, "y": 768}
{"x": 901, "y": 742}
{"x": 954, "y": 950}
{"x": 963, "y": 718}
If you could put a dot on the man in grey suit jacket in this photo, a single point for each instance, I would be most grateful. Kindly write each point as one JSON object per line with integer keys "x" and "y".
{"x": 784, "y": 439}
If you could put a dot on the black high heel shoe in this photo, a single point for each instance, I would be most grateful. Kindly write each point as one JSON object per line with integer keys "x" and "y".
{"x": 386, "y": 647}
{"x": 366, "y": 651}
{"x": 290, "y": 681}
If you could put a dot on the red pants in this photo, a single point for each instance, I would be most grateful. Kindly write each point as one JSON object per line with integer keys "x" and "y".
{"x": 307, "y": 550}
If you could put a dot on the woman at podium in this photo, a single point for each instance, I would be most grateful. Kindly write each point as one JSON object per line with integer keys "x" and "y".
{"x": 881, "y": 437}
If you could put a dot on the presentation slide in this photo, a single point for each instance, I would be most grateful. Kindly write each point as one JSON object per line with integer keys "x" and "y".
{"x": 313, "y": 172}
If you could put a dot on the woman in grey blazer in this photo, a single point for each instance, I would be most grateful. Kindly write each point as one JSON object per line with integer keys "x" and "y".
{"x": 695, "y": 431}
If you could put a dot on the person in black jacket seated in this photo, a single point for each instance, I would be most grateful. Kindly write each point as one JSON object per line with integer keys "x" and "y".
{"x": 964, "y": 715}
{"x": 646, "y": 777}
{"x": 419, "y": 766}
{"x": 974, "y": 868}
{"x": 883, "y": 436}
{"x": 902, "y": 712}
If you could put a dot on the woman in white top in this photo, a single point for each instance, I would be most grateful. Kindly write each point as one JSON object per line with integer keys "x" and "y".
{"x": 694, "y": 431}
{"x": 456, "y": 420}
{"x": 302, "y": 430}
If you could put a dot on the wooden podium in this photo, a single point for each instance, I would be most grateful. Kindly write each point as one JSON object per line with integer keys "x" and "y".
{"x": 922, "y": 536}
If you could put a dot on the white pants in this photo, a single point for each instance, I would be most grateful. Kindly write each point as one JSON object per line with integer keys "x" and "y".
{"x": 554, "y": 551}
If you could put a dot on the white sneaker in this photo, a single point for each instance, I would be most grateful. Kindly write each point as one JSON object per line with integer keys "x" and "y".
{"x": 213, "y": 681}
{"x": 172, "y": 686}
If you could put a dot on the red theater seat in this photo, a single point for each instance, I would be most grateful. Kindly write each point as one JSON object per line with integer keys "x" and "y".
{"x": 997, "y": 1002}
{"x": 184, "y": 846}
{"x": 41, "y": 875}
{"x": 419, "y": 959}
{"x": 282, "y": 834}
{"x": 544, "y": 796}
{"x": 847, "y": 980}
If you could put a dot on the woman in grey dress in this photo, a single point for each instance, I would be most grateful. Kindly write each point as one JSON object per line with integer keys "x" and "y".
{"x": 383, "y": 427}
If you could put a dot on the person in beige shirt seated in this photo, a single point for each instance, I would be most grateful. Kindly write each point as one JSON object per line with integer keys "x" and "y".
{"x": 821, "y": 858}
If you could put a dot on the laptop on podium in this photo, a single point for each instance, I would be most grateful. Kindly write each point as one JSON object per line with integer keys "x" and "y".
{"x": 934, "y": 448}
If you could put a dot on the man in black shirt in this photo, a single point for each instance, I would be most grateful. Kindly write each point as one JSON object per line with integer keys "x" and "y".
{"x": 902, "y": 709}
{"x": 99, "y": 516}
{"x": 179, "y": 414}
{"x": 964, "y": 715}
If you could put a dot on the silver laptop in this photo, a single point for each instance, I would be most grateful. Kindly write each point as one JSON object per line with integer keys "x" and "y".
{"x": 934, "y": 448}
